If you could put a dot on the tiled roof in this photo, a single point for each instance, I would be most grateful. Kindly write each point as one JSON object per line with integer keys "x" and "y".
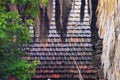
{"x": 57, "y": 58}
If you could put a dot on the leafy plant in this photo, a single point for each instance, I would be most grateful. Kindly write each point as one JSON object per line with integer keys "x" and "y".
{"x": 14, "y": 33}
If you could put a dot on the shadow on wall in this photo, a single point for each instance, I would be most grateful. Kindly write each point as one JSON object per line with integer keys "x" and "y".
{"x": 97, "y": 42}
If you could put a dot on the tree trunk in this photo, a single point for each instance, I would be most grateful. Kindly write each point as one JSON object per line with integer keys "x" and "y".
{"x": 109, "y": 29}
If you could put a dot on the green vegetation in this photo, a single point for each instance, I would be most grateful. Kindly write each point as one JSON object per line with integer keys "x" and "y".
{"x": 14, "y": 33}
